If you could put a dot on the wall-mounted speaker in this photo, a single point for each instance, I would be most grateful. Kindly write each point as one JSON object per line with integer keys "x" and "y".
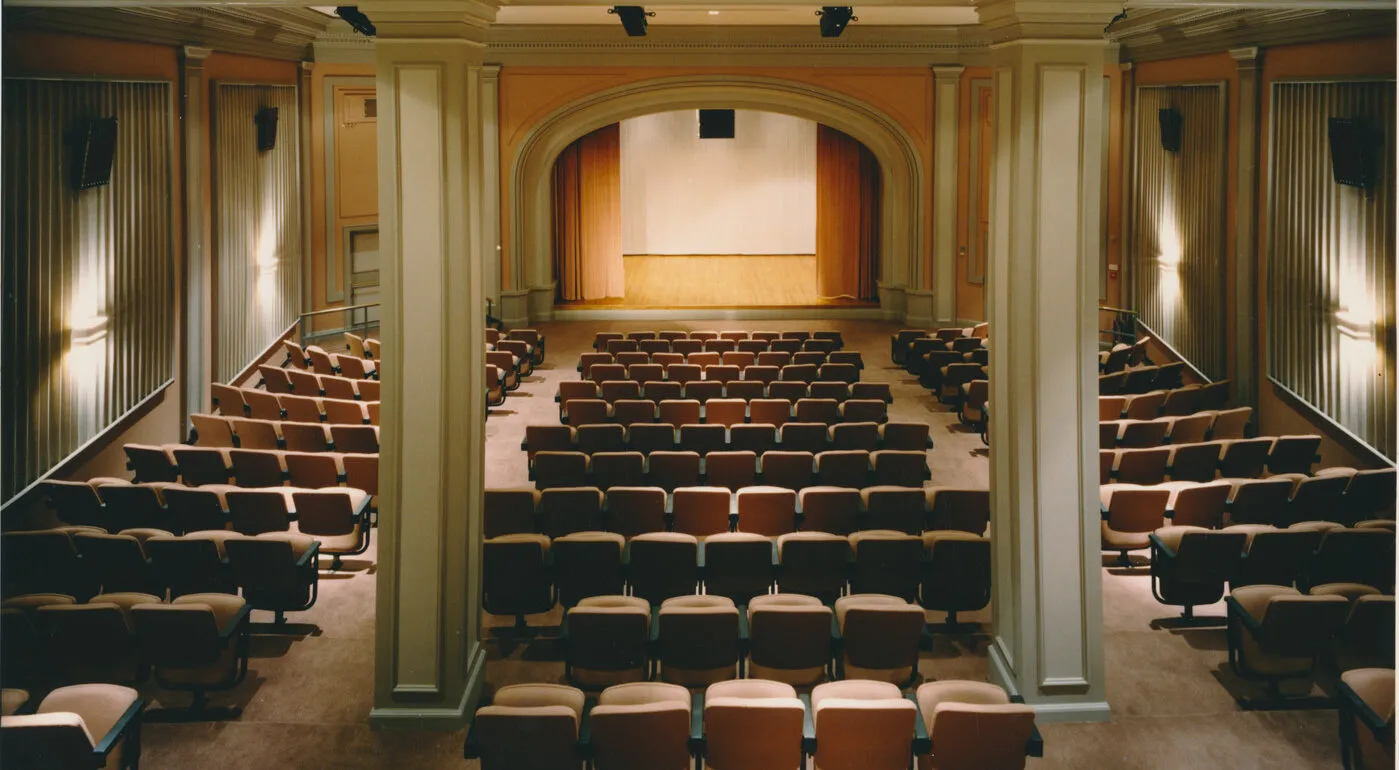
{"x": 266, "y": 128}
{"x": 1352, "y": 152}
{"x": 716, "y": 124}
{"x": 1172, "y": 126}
{"x": 94, "y": 148}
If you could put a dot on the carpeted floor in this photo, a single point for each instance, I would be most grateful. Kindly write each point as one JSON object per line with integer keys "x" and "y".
{"x": 307, "y": 697}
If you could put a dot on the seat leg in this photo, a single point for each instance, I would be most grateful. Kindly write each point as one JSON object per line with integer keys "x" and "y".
{"x": 1189, "y": 612}
{"x": 335, "y": 562}
{"x": 1123, "y": 559}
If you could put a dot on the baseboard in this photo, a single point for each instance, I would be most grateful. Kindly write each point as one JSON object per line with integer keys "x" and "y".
{"x": 416, "y": 717}
{"x": 1057, "y": 710}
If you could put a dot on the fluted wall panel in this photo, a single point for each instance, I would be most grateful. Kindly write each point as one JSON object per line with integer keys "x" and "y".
{"x": 88, "y": 322}
{"x": 1330, "y": 259}
{"x": 1177, "y": 218}
{"x": 257, "y": 224}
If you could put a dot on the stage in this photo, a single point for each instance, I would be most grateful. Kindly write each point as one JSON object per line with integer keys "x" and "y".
{"x": 718, "y": 282}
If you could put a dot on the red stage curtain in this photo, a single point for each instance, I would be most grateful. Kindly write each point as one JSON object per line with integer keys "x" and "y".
{"x": 588, "y": 217}
{"x": 847, "y": 217}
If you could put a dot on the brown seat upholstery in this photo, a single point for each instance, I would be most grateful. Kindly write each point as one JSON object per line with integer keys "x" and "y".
{"x": 886, "y": 562}
{"x": 1194, "y": 462}
{"x": 880, "y": 634}
{"x": 633, "y": 511}
{"x": 974, "y": 726}
{"x": 770, "y": 411}
{"x": 844, "y": 468}
{"x": 854, "y": 435}
{"x": 701, "y": 439}
{"x": 904, "y": 435}
{"x": 813, "y": 563}
{"x": 198, "y": 642}
{"x": 789, "y": 469}
{"x": 662, "y": 565}
{"x": 862, "y": 725}
{"x": 1259, "y": 501}
{"x": 337, "y": 518}
{"x": 255, "y": 511}
{"x": 560, "y": 469}
{"x": 1294, "y": 454}
{"x": 966, "y": 510}
{"x": 1193, "y": 504}
{"x": 809, "y": 437}
{"x": 830, "y": 509}
{"x": 529, "y": 726}
{"x": 698, "y": 639}
{"x": 565, "y": 510}
{"x": 899, "y": 467}
{"x": 618, "y": 469}
{"x": 1131, "y": 514}
{"x": 1276, "y": 633}
{"x": 669, "y": 470}
{"x": 1354, "y": 556}
{"x": 613, "y": 391}
{"x": 607, "y": 641}
{"x": 766, "y": 510}
{"x": 731, "y": 470}
{"x": 276, "y": 571}
{"x": 895, "y": 508}
{"x": 1244, "y": 459}
{"x": 515, "y": 575}
{"x": 644, "y": 438}
{"x": 1189, "y": 565}
{"x": 1274, "y": 556}
{"x": 587, "y": 564}
{"x": 549, "y": 438}
{"x": 86, "y": 725}
{"x": 739, "y": 565}
{"x": 753, "y": 724}
{"x": 725, "y": 411}
{"x": 701, "y": 511}
{"x": 1367, "y": 718}
{"x": 957, "y": 573}
{"x": 1140, "y": 466}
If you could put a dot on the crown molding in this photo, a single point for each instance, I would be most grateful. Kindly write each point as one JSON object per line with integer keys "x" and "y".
{"x": 274, "y": 34}
{"x": 1160, "y": 33}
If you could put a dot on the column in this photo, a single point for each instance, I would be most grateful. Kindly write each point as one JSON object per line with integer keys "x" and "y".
{"x": 429, "y": 663}
{"x": 1246, "y": 360}
{"x": 1043, "y": 291}
{"x": 197, "y": 337}
{"x": 303, "y": 93}
{"x": 510, "y": 306}
{"x": 947, "y": 82}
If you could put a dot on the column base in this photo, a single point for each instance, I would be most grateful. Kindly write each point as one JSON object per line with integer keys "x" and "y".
{"x": 514, "y": 307}
{"x": 918, "y": 308}
{"x": 1051, "y": 708}
{"x": 891, "y": 301}
{"x": 541, "y": 302}
{"x": 410, "y": 716}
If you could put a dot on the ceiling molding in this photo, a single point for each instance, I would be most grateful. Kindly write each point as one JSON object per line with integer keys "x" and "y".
{"x": 280, "y": 33}
{"x": 1153, "y": 34}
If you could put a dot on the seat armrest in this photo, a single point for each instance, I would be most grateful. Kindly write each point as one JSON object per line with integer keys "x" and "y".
{"x": 1162, "y": 548}
{"x": 1237, "y": 610}
{"x": 238, "y": 621}
{"x": 776, "y": 561}
{"x": 311, "y": 553}
{"x": 129, "y": 721}
{"x": 585, "y": 730}
{"x": 808, "y": 726}
{"x": 471, "y": 747}
{"x": 362, "y": 510}
{"x": 1034, "y": 747}
{"x": 921, "y": 744}
{"x": 742, "y": 624}
{"x": 696, "y": 741}
{"x": 1350, "y": 701}
{"x": 655, "y": 623}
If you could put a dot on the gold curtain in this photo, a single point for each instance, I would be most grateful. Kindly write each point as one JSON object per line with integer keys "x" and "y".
{"x": 588, "y": 217}
{"x": 847, "y": 217}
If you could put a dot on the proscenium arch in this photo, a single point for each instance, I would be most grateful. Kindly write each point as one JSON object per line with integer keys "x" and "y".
{"x": 901, "y": 169}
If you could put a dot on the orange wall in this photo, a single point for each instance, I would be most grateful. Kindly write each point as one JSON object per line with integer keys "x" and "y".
{"x": 971, "y": 300}
{"x": 529, "y": 94}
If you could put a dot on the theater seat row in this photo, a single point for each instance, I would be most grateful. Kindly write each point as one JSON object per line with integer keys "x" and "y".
{"x": 1184, "y": 401}
{"x": 907, "y": 345}
{"x": 300, "y": 382}
{"x": 261, "y": 405}
{"x": 1141, "y": 379}
{"x": 692, "y": 372}
{"x": 316, "y": 359}
{"x": 197, "y": 466}
{"x": 725, "y": 412}
{"x": 601, "y": 339}
{"x": 704, "y": 360}
{"x": 530, "y": 337}
{"x": 752, "y": 437}
{"x": 212, "y": 430}
{"x": 793, "y": 470}
{"x": 1205, "y": 461}
{"x": 1189, "y": 429}
{"x": 1277, "y": 500}
{"x": 705, "y": 390}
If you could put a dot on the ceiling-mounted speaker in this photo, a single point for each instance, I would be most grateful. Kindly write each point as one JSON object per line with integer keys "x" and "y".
{"x": 266, "y": 120}
{"x": 1172, "y": 126}
{"x": 834, "y": 19}
{"x": 1352, "y": 152}
{"x": 716, "y": 124}
{"x": 633, "y": 18}
{"x": 356, "y": 19}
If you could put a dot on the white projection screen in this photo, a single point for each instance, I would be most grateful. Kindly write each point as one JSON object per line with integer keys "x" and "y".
{"x": 753, "y": 194}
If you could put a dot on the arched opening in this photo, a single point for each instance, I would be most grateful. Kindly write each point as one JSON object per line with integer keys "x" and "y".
{"x": 901, "y": 187}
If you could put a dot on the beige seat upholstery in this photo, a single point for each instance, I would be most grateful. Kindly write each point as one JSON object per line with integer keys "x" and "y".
{"x": 1367, "y": 718}
{"x": 1354, "y": 556}
{"x": 1259, "y": 501}
{"x": 81, "y": 726}
{"x": 93, "y": 642}
{"x": 1193, "y": 504}
{"x": 698, "y": 639}
{"x": 117, "y": 562}
{"x": 606, "y": 641}
{"x": 193, "y": 563}
{"x": 529, "y": 726}
{"x": 337, "y": 518}
{"x": 1366, "y": 640}
{"x": 732, "y": 470}
{"x": 974, "y": 726}
{"x": 198, "y": 642}
{"x": 753, "y": 724}
{"x": 1275, "y": 633}
{"x": 641, "y": 726}
{"x": 789, "y": 638}
{"x": 1189, "y": 565}
{"x": 880, "y": 636}
{"x": 862, "y": 725}
{"x": 516, "y": 576}
{"x": 662, "y": 565}
{"x": 587, "y": 564}
{"x": 1130, "y": 514}
{"x": 886, "y": 562}
{"x": 11, "y": 699}
{"x": 957, "y": 573}
{"x": 967, "y": 510}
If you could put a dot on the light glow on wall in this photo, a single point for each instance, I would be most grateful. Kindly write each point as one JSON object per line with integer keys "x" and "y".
{"x": 265, "y": 259}
{"x": 1169, "y": 258}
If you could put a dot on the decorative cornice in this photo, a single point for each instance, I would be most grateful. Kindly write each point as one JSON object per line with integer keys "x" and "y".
{"x": 948, "y": 71}
{"x": 1159, "y": 33}
{"x": 1007, "y": 20}
{"x": 281, "y": 33}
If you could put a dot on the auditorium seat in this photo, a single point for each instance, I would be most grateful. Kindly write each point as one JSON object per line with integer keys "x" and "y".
{"x": 738, "y": 565}
{"x": 528, "y": 726}
{"x": 879, "y": 638}
{"x": 509, "y": 511}
{"x": 770, "y": 411}
{"x": 193, "y": 509}
{"x": 1130, "y": 514}
{"x": 904, "y": 436}
{"x": 1194, "y": 462}
{"x": 864, "y": 410}
{"x": 276, "y": 571}
{"x": 975, "y": 726}
{"x": 862, "y": 725}
{"x": 790, "y": 469}
{"x": 85, "y": 725}
{"x": 587, "y": 564}
{"x": 1140, "y": 466}
{"x": 515, "y": 576}
{"x": 618, "y": 469}
{"x": 753, "y": 724}
{"x": 854, "y": 435}
{"x": 766, "y": 510}
{"x": 1259, "y": 501}
{"x": 725, "y": 411}
{"x": 649, "y": 438}
{"x": 1274, "y": 556}
{"x": 612, "y": 391}
{"x": 843, "y": 468}
{"x": 1366, "y": 698}
{"x": 255, "y": 434}
{"x": 1317, "y": 498}
{"x": 789, "y": 638}
{"x": 899, "y": 468}
{"x": 703, "y": 439}
{"x": 894, "y": 508}
{"x": 337, "y": 518}
{"x": 1190, "y": 564}
{"x": 835, "y": 510}
{"x": 957, "y": 574}
{"x": 789, "y": 391}
{"x": 566, "y": 510}
{"x": 669, "y": 470}
{"x": 700, "y": 511}
{"x": 1366, "y": 639}
{"x": 807, "y": 437}
{"x": 1193, "y": 504}
{"x": 197, "y": 643}
{"x": 1276, "y": 633}
{"x": 606, "y": 640}
{"x": 1363, "y": 556}
{"x": 255, "y": 511}
{"x": 697, "y": 640}
{"x": 1293, "y": 454}
{"x": 560, "y": 469}
{"x": 965, "y": 510}
{"x": 886, "y": 562}
{"x": 1230, "y": 423}
{"x": 662, "y": 565}
{"x": 117, "y": 562}
{"x": 1191, "y": 429}
{"x": 1144, "y": 406}
{"x": 633, "y": 511}
{"x": 732, "y": 470}
{"x": 757, "y": 438}
{"x": 93, "y": 641}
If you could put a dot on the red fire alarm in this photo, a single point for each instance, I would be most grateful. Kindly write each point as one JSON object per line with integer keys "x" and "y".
{"x": 1112, "y": 271}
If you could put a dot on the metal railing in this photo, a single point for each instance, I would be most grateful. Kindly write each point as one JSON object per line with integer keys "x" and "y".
{"x": 362, "y": 328}
{"x": 1116, "y": 325}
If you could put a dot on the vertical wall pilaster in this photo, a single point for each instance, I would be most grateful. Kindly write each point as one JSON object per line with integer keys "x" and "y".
{"x": 1247, "y": 363}
{"x": 490, "y": 180}
{"x": 197, "y": 335}
{"x": 946, "y": 83}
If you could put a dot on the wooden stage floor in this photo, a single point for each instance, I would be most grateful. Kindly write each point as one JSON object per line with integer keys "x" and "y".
{"x": 719, "y": 281}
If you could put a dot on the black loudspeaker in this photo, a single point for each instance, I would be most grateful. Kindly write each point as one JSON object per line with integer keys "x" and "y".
{"x": 1352, "y": 151}
{"x": 94, "y": 146}
{"x": 834, "y": 19}
{"x": 716, "y": 124}
{"x": 1172, "y": 123}
{"x": 266, "y": 128}
{"x": 633, "y": 18}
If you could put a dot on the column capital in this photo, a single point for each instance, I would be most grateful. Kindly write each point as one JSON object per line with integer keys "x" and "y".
{"x": 430, "y": 21}
{"x": 195, "y": 55}
{"x": 948, "y": 71}
{"x": 1007, "y": 20}
{"x": 1247, "y": 57}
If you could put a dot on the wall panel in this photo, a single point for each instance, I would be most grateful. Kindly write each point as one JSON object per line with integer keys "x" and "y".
{"x": 1330, "y": 259}
{"x": 1177, "y": 220}
{"x": 88, "y": 323}
{"x": 257, "y": 224}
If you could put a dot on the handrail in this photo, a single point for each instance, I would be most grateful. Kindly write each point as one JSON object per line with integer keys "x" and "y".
{"x": 362, "y": 327}
{"x": 1129, "y": 336}
{"x": 346, "y": 308}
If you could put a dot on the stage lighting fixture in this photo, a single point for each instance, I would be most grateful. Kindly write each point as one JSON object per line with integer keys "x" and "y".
{"x": 633, "y": 18}
{"x": 355, "y": 18}
{"x": 834, "y": 18}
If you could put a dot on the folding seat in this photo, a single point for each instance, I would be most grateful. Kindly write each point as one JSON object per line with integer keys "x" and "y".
{"x": 854, "y": 435}
{"x": 642, "y": 335}
{"x": 212, "y": 431}
{"x": 739, "y": 358}
{"x": 1370, "y": 494}
{"x": 264, "y": 406}
{"x": 927, "y": 359}
{"x": 975, "y": 726}
{"x": 662, "y": 565}
{"x": 809, "y": 437}
{"x": 1107, "y": 462}
{"x": 133, "y": 506}
{"x": 838, "y": 391}
{"x": 900, "y": 341}
{"x": 117, "y": 563}
{"x": 687, "y": 346}
{"x": 613, "y": 391}
{"x": 893, "y": 508}
{"x": 1193, "y": 504}
{"x": 510, "y": 511}
{"x": 1275, "y": 633}
{"x": 1144, "y": 406}
{"x": 586, "y": 411}
{"x": 673, "y": 335}
{"x": 277, "y": 571}
{"x": 669, "y": 470}
{"x": 752, "y": 346}
{"x": 1190, "y": 565}
{"x": 684, "y": 373}
{"x": 1244, "y": 458}
{"x": 1365, "y": 697}
{"x": 954, "y": 376}
{"x": 1111, "y": 407}
{"x": 700, "y": 438}
{"x": 1141, "y": 466}
{"x": 1182, "y": 401}
{"x": 648, "y": 438}
{"x": 305, "y": 437}
{"x": 851, "y": 357}
{"x": 899, "y": 468}
{"x": 193, "y": 563}
{"x": 1194, "y": 462}
{"x": 1274, "y": 556}
{"x": 773, "y": 358}
{"x": 515, "y": 576}
{"x": 255, "y": 434}
{"x": 362, "y": 473}
{"x": 1259, "y": 501}
{"x": 704, "y": 335}
{"x": 1214, "y": 395}
{"x": 908, "y": 436}
{"x": 76, "y": 502}
{"x": 702, "y": 391}
{"x": 1364, "y": 556}
{"x": 618, "y": 469}
{"x": 1317, "y": 498}
{"x": 798, "y": 373}
{"x": 601, "y": 373}
{"x": 813, "y": 357}
{"x": 1137, "y": 379}
{"x": 757, "y": 438}
{"x": 863, "y": 410}
{"x": 255, "y": 511}
{"x": 506, "y": 363}
{"x": 302, "y": 383}
{"x": 862, "y": 725}
{"x": 789, "y": 469}
{"x": 1230, "y": 423}
{"x": 300, "y": 408}
{"x": 1294, "y": 454}
{"x": 1142, "y": 434}
{"x": 886, "y": 562}
{"x": 847, "y": 373}
{"x": 229, "y": 400}
{"x": 790, "y": 638}
{"x": 1170, "y": 375}
{"x": 548, "y": 438}
{"x": 700, "y": 511}
{"x": 766, "y": 510}
{"x": 587, "y": 360}
{"x": 723, "y": 373}
{"x": 632, "y": 511}
{"x": 296, "y": 355}
{"x": 834, "y": 510}
{"x": 629, "y": 411}
{"x": 725, "y": 411}
{"x": 632, "y": 359}
{"x": 651, "y": 347}
{"x": 621, "y": 346}
{"x": 528, "y": 726}
{"x": 360, "y": 368}
{"x": 680, "y": 412}
{"x": 1108, "y": 431}
{"x": 565, "y": 510}
{"x": 770, "y": 411}
{"x": 697, "y": 640}
{"x": 314, "y": 470}
{"x": 193, "y": 509}
{"x": 843, "y": 468}
{"x": 659, "y": 391}
{"x": 198, "y": 642}
{"x": 720, "y": 346}
{"x": 879, "y": 638}
{"x": 84, "y": 725}
{"x": 361, "y": 439}
{"x": 738, "y": 565}
{"x": 732, "y": 470}
{"x": 753, "y": 724}
{"x": 605, "y": 641}
{"x": 337, "y": 518}
{"x": 1130, "y": 514}
{"x": 791, "y": 392}
{"x": 1193, "y": 429}
{"x": 1115, "y": 360}
{"x": 762, "y": 373}
{"x": 823, "y": 410}
{"x": 644, "y": 373}
{"x": 587, "y": 564}
{"x": 1366, "y": 640}
{"x": 956, "y": 573}
{"x": 965, "y": 344}
{"x": 570, "y": 390}
{"x": 199, "y": 466}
